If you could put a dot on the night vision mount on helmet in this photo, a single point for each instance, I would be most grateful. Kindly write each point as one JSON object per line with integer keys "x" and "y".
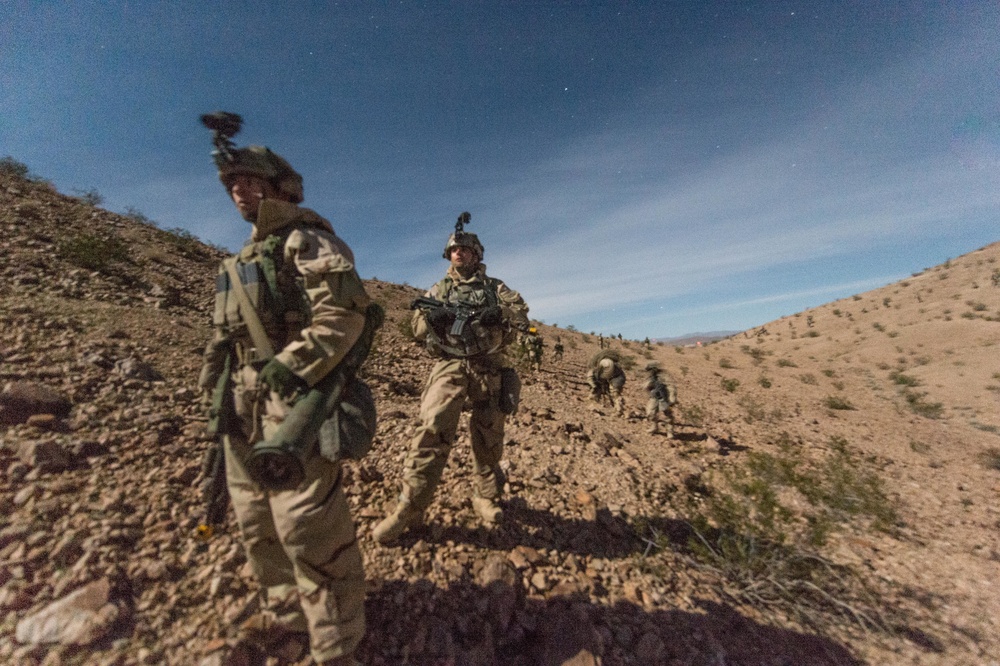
{"x": 462, "y": 238}
{"x": 252, "y": 161}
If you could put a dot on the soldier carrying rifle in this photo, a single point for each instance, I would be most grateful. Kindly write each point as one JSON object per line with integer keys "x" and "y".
{"x": 466, "y": 320}
{"x": 292, "y": 324}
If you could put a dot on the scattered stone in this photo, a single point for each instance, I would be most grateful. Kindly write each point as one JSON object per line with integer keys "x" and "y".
{"x": 80, "y": 618}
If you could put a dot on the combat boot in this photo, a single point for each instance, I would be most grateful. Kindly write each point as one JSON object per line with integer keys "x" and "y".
{"x": 487, "y": 510}
{"x": 405, "y": 516}
{"x": 654, "y": 429}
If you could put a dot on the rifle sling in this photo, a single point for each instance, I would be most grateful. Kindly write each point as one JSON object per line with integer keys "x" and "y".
{"x": 250, "y": 318}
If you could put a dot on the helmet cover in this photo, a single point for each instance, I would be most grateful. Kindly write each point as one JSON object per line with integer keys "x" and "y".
{"x": 265, "y": 164}
{"x": 464, "y": 239}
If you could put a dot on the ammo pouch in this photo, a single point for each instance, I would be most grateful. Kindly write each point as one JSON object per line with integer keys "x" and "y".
{"x": 510, "y": 390}
{"x": 350, "y": 429}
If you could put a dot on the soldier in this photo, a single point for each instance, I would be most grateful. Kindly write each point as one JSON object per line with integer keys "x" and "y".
{"x": 533, "y": 346}
{"x": 288, "y": 307}
{"x": 606, "y": 378}
{"x": 470, "y": 372}
{"x": 558, "y": 349}
{"x": 662, "y": 398}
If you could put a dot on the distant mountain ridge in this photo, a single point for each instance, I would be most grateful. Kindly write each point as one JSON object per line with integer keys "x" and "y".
{"x": 695, "y": 338}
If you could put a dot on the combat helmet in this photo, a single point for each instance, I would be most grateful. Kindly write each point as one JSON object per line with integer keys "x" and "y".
{"x": 462, "y": 238}
{"x": 257, "y": 161}
{"x": 653, "y": 367}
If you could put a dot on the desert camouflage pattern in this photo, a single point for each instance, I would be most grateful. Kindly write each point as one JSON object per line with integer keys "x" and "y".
{"x": 452, "y": 384}
{"x": 533, "y": 347}
{"x": 464, "y": 239}
{"x": 607, "y": 379}
{"x": 658, "y": 406}
{"x": 300, "y": 543}
{"x": 264, "y": 163}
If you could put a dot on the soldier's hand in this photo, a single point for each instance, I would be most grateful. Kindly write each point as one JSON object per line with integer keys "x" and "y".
{"x": 280, "y": 379}
{"x": 491, "y": 316}
{"x": 438, "y": 317}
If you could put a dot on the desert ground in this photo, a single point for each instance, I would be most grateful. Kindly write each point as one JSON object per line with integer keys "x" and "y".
{"x": 830, "y": 497}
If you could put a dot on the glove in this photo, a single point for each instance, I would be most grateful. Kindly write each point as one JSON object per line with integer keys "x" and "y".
{"x": 491, "y": 316}
{"x": 280, "y": 379}
{"x": 438, "y": 318}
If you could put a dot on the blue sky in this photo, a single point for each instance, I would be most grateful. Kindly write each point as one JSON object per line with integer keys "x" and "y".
{"x": 643, "y": 168}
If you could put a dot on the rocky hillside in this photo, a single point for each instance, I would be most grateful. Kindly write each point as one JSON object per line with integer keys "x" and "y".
{"x": 831, "y": 496}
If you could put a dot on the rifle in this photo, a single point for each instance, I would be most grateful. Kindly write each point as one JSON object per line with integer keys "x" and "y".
{"x": 279, "y": 463}
{"x": 461, "y": 313}
{"x": 214, "y": 491}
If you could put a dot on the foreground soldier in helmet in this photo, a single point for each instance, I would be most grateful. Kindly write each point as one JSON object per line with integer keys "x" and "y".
{"x": 662, "y": 398}
{"x": 297, "y": 309}
{"x": 606, "y": 378}
{"x": 469, "y": 371}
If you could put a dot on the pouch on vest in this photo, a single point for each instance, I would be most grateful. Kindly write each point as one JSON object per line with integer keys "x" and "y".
{"x": 350, "y": 430}
{"x": 510, "y": 390}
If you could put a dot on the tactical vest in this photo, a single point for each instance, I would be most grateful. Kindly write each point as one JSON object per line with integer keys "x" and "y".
{"x": 475, "y": 339}
{"x": 275, "y": 291}
{"x": 664, "y": 392}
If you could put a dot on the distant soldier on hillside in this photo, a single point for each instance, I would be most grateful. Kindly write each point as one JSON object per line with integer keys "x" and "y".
{"x": 558, "y": 349}
{"x": 533, "y": 347}
{"x": 607, "y": 379}
{"x": 467, "y": 320}
{"x": 290, "y": 310}
{"x": 662, "y": 398}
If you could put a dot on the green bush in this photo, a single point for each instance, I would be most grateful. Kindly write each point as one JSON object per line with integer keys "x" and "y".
{"x": 11, "y": 167}
{"x": 837, "y": 402}
{"x": 899, "y": 378}
{"x": 90, "y": 197}
{"x": 761, "y": 525}
{"x": 730, "y": 385}
{"x": 756, "y": 353}
{"x": 93, "y": 252}
{"x": 916, "y": 402}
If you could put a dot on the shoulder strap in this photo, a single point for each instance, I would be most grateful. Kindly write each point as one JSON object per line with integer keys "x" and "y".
{"x": 493, "y": 290}
{"x": 272, "y": 262}
{"x": 254, "y": 327}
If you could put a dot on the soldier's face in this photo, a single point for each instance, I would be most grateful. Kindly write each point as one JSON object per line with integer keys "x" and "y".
{"x": 463, "y": 257}
{"x": 247, "y": 193}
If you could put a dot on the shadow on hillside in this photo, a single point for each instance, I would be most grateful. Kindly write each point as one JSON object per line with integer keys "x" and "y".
{"x": 467, "y": 623}
{"x": 606, "y": 536}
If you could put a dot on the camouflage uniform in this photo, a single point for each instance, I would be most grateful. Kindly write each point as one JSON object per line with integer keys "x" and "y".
{"x": 607, "y": 378}
{"x": 662, "y": 398}
{"x": 300, "y": 543}
{"x": 533, "y": 346}
{"x": 558, "y": 349}
{"x": 453, "y": 383}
